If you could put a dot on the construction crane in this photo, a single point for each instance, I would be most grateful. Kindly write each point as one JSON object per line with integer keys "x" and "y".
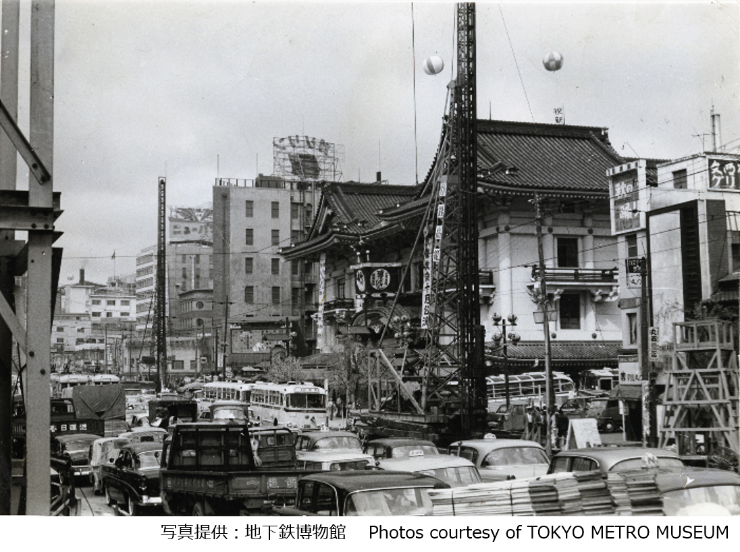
{"x": 447, "y": 391}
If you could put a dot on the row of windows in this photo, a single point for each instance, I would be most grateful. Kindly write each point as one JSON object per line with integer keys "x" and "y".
{"x": 124, "y": 302}
{"x": 109, "y": 314}
{"x": 249, "y": 237}
{"x": 249, "y": 265}
{"x": 144, "y": 271}
{"x": 249, "y": 295}
{"x": 144, "y": 259}
{"x": 275, "y": 210}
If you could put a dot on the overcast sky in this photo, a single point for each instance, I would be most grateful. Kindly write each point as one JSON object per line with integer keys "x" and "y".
{"x": 152, "y": 88}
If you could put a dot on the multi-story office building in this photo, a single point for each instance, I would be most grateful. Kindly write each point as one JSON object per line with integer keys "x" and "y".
{"x": 255, "y": 289}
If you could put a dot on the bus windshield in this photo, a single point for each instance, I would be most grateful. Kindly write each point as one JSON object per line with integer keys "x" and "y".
{"x": 306, "y": 400}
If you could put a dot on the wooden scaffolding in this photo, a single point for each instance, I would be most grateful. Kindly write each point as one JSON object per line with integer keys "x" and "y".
{"x": 701, "y": 398}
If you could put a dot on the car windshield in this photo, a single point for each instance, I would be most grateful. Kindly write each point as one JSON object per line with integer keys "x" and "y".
{"x": 720, "y": 500}
{"x": 149, "y": 459}
{"x": 339, "y": 442}
{"x": 637, "y": 463}
{"x": 413, "y": 450}
{"x": 513, "y": 456}
{"x": 236, "y": 414}
{"x": 455, "y": 477}
{"x": 306, "y": 400}
{"x": 77, "y": 446}
{"x": 389, "y": 502}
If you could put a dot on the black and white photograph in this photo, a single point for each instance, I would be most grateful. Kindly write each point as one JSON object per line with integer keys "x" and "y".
{"x": 299, "y": 259}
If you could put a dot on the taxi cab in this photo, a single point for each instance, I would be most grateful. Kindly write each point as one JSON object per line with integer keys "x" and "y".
{"x": 363, "y": 493}
{"x": 400, "y": 447}
{"x": 333, "y": 461}
{"x": 327, "y": 440}
{"x": 453, "y": 470}
{"x": 611, "y": 459}
{"x": 502, "y": 459}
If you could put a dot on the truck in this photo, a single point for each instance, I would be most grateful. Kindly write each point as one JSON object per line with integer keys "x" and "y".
{"x": 66, "y": 420}
{"x": 106, "y": 403}
{"x": 228, "y": 469}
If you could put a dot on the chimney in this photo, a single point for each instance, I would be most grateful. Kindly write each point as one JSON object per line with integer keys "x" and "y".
{"x": 82, "y": 276}
{"x": 716, "y": 135}
{"x": 377, "y": 177}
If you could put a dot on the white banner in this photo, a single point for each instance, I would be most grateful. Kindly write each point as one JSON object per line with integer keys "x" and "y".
{"x": 322, "y": 296}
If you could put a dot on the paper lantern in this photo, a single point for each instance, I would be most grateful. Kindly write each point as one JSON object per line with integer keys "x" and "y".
{"x": 553, "y": 61}
{"x": 433, "y": 65}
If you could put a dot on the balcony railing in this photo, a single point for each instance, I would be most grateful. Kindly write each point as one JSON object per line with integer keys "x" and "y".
{"x": 485, "y": 277}
{"x": 577, "y": 274}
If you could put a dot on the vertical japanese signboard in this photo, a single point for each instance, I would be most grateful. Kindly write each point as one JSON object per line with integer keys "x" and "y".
{"x": 322, "y": 296}
{"x": 654, "y": 344}
{"x": 627, "y": 187}
{"x": 723, "y": 174}
{"x": 634, "y": 272}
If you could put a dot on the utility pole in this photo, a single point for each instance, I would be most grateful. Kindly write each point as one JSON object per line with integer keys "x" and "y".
{"x": 226, "y": 336}
{"x": 161, "y": 292}
{"x": 550, "y": 392}
{"x": 648, "y": 435}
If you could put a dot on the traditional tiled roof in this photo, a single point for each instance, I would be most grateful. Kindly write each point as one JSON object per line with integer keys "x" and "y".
{"x": 543, "y": 157}
{"x": 562, "y": 350}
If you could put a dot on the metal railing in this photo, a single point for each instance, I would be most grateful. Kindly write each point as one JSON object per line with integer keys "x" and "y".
{"x": 577, "y": 274}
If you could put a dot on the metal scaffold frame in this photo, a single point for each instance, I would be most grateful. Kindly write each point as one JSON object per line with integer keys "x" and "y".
{"x": 35, "y": 212}
{"x": 701, "y": 397}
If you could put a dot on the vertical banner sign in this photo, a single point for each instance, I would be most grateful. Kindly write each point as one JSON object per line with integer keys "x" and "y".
{"x": 322, "y": 296}
{"x": 645, "y": 412}
{"x": 426, "y": 292}
{"x": 654, "y": 344}
{"x": 634, "y": 272}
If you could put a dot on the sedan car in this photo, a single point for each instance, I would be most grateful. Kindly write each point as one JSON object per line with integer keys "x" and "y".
{"x": 133, "y": 479}
{"x": 77, "y": 446}
{"x": 612, "y": 459}
{"x": 363, "y": 493}
{"x": 699, "y": 492}
{"x": 102, "y": 451}
{"x": 400, "y": 447}
{"x": 502, "y": 459}
{"x": 327, "y": 440}
{"x": 453, "y": 470}
{"x": 332, "y": 460}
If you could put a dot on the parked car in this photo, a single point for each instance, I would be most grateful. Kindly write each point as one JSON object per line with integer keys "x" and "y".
{"x": 699, "y": 492}
{"x": 133, "y": 478}
{"x": 609, "y": 418}
{"x": 501, "y": 459}
{"x": 327, "y": 440}
{"x": 609, "y": 459}
{"x": 400, "y": 447}
{"x": 77, "y": 446}
{"x": 509, "y": 419}
{"x": 584, "y": 407}
{"x": 101, "y": 452}
{"x": 456, "y": 471}
{"x": 332, "y": 460}
{"x": 363, "y": 493}
{"x": 145, "y": 435}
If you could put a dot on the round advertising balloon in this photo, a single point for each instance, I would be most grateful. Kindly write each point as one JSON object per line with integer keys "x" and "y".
{"x": 553, "y": 61}
{"x": 433, "y": 65}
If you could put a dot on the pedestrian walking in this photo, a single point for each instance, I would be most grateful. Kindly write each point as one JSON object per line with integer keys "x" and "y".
{"x": 528, "y": 426}
{"x": 537, "y": 422}
{"x": 562, "y": 425}
{"x": 330, "y": 409}
{"x": 340, "y": 407}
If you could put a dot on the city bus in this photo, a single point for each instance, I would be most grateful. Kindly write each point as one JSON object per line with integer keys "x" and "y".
{"x": 223, "y": 391}
{"x": 292, "y": 404}
{"x": 68, "y": 381}
{"x": 528, "y": 388}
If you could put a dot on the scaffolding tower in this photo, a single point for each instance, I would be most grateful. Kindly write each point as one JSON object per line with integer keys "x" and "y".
{"x": 701, "y": 398}
{"x": 303, "y": 158}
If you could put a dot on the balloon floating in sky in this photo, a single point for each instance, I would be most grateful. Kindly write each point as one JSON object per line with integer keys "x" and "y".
{"x": 553, "y": 61}
{"x": 433, "y": 65}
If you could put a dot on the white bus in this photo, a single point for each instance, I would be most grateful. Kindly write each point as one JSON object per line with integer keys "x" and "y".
{"x": 298, "y": 405}
{"x": 527, "y": 388}
{"x": 68, "y": 381}
{"x": 223, "y": 391}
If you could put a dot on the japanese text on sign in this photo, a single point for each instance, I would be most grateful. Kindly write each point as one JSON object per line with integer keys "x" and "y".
{"x": 723, "y": 175}
{"x": 291, "y": 531}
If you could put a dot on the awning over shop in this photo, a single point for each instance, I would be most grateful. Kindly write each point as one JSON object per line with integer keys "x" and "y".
{"x": 626, "y": 392}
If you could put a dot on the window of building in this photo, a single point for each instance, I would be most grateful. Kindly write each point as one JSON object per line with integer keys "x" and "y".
{"x": 184, "y": 273}
{"x": 275, "y": 209}
{"x": 183, "y": 258}
{"x": 110, "y": 302}
{"x": 276, "y": 266}
{"x": 96, "y": 301}
{"x": 109, "y": 315}
{"x": 340, "y": 288}
{"x": 196, "y": 283}
{"x": 680, "y": 179}
{"x": 197, "y": 259}
{"x": 80, "y": 330}
{"x": 632, "y": 327}
{"x": 632, "y": 245}
{"x": 125, "y": 302}
{"x": 570, "y": 311}
{"x": 249, "y": 238}
{"x": 60, "y": 329}
{"x": 308, "y": 267}
{"x": 295, "y": 297}
{"x": 568, "y": 252}
{"x": 294, "y": 268}
{"x": 276, "y": 237}
{"x": 248, "y": 265}
{"x": 249, "y": 295}
{"x": 295, "y": 236}
{"x": 295, "y": 211}
{"x": 275, "y": 295}
{"x": 249, "y": 213}
{"x": 309, "y": 211}
{"x": 60, "y": 340}
{"x": 125, "y": 314}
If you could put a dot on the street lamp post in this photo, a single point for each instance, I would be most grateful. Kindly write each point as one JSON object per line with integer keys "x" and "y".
{"x": 500, "y": 322}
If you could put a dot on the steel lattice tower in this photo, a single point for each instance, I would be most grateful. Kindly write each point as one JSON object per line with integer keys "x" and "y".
{"x": 451, "y": 313}
{"x": 160, "y": 312}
